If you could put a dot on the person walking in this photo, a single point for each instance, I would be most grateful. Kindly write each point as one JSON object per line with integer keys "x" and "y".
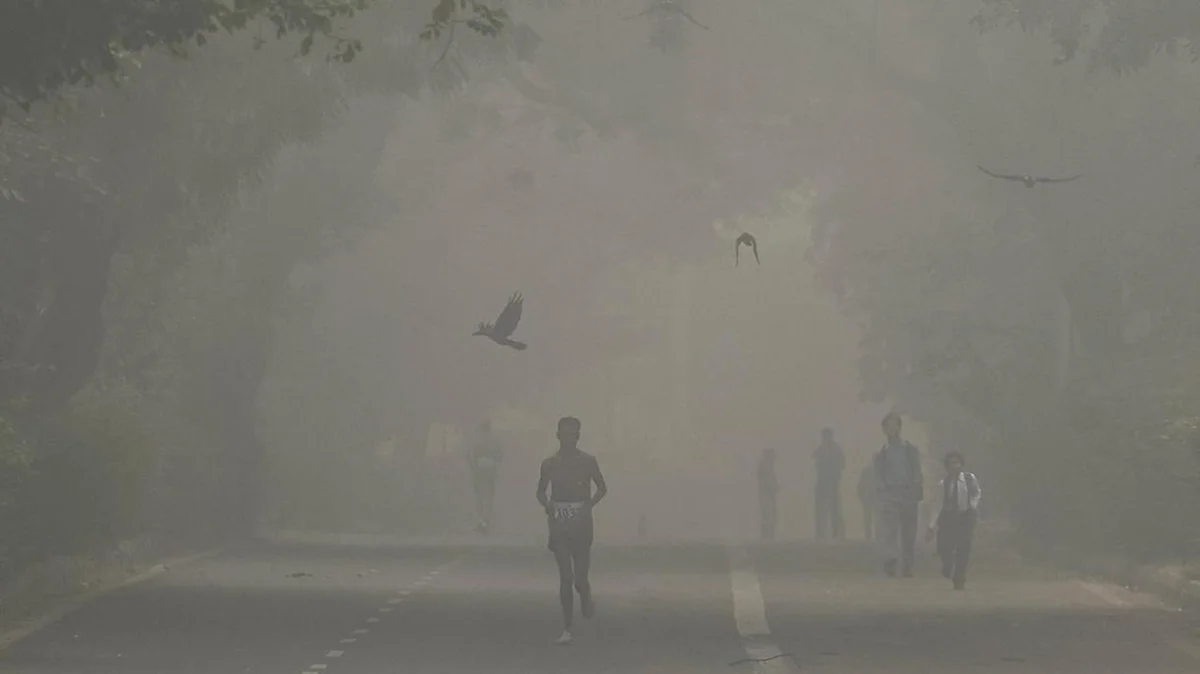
{"x": 958, "y": 495}
{"x": 900, "y": 489}
{"x": 830, "y": 463}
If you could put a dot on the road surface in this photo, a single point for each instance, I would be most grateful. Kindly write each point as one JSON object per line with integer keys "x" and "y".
{"x": 674, "y": 608}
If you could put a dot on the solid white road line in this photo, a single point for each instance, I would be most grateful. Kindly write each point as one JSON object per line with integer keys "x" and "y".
{"x": 1104, "y": 593}
{"x": 750, "y": 616}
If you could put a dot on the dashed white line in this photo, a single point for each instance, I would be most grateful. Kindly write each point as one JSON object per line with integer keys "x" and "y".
{"x": 750, "y": 616}
{"x": 424, "y": 581}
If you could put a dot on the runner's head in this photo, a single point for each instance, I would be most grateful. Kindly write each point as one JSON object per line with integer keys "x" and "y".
{"x": 891, "y": 426}
{"x": 827, "y": 434}
{"x": 568, "y": 432}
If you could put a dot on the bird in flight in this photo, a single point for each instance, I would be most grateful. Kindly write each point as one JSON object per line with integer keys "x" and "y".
{"x": 746, "y": 239}
{"x": 665, "y": 6}
{"x": 1028, "y": 180}
{"x": 505, "y": 325}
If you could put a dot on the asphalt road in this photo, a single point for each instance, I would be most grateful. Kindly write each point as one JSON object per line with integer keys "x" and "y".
{"x": 663, "y": 608}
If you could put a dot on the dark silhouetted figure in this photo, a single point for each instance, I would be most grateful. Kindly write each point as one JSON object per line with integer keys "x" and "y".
{"x": 768, "y": 492}
{"x": 505, "y": 325}
{"x": 746, "y": 239}
{"x": 830, "y": 462}
{"x": 569, "y": 474}
{"x": 866, "y": 498}
{"x": 900, "y": 488}
{"x": 959, "y": 497}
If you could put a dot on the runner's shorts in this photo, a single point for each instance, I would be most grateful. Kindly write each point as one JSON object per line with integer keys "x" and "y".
{"x": 570, "y": 528}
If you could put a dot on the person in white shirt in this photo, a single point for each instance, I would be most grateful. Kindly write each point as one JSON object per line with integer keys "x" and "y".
{"x": 954, "y": 526}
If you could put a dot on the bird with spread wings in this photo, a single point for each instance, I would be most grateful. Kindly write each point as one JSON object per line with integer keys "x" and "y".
{"x": 505, "y": 325}
{"x": 1028, "y": 180}
{"x": 665, "y": 6}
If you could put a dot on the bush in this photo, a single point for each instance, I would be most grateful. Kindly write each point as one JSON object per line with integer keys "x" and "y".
{"x": 70, "y": 482}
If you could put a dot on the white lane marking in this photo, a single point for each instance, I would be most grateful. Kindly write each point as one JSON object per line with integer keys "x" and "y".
{"x": 395, "y": 601}
{"x": 334, "y": 654}
{"x": 420, "y": 583}
{"x": 360, "y": 631}
{"x": 435, "y": 572}
{"x": 347, "y": 641}
{"x": 385, "y": 610}
{"x": 318, "y": 667}
{"x": 1104, "y": 593}
{"x": 404, "y": 593}
{"x": 372, "y": 620}
{"x": 750, "y": 616}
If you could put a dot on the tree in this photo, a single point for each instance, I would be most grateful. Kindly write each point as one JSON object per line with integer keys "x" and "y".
{"x": 1119, "y": 35}
{"x": 49, "y": 45}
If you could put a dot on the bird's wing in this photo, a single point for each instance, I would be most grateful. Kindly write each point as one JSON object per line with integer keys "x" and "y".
{"x": 737, "y": 251}
{"x": 1002, "y": 176}
{"x": 506, "y": 324}
{"x": 689, "y": 17}
{"x": 1058, "y": 180}
{"x": 754, "y": 246}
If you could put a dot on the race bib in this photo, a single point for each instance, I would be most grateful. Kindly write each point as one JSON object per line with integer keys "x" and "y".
{"x": 567, "y": 512}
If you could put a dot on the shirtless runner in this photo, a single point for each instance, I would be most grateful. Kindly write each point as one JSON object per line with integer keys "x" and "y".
{"x": 569, "y": 474}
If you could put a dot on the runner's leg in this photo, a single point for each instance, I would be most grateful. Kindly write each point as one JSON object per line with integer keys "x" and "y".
{"x": 488, "y": 496}
{"x": 566, "y": 582}
{"x": 581, "y": 555}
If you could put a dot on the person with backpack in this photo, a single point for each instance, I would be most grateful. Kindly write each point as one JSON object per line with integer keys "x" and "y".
{"x": 958, "y": 495}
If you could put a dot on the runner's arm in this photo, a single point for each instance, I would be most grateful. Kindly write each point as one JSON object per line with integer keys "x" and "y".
{"x": 598, "y": 478}
{"x": 544, "y": 482}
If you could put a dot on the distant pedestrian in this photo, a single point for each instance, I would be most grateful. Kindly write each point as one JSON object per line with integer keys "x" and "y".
{"x": 900, "y": 488}
{"x": 768, "y": 492}
{"x": 830, "y": 463}
{"x": 959, "y": 495}
{"x": 866, "y": 498}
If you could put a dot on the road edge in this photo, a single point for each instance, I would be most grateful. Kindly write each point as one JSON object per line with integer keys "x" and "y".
{"x": 61, "y": 608}
{"x": 1168, "y": 583}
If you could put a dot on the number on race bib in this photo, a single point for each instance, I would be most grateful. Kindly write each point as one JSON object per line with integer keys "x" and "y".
{"x": 566, "y": 513}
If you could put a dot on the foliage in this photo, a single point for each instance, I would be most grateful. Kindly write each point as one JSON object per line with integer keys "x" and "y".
{"x": 47, "y": 46}
{"x": 72, "y": 481}
{"x": 1119, "y": 35}
{"x": 73, "y": 42}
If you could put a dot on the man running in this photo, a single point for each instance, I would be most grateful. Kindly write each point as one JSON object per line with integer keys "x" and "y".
{"x": 569, "y": 474}
{"x": 485, "y": 457}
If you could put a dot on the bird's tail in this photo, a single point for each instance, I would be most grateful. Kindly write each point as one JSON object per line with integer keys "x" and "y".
{"x": 519, "y": 346}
